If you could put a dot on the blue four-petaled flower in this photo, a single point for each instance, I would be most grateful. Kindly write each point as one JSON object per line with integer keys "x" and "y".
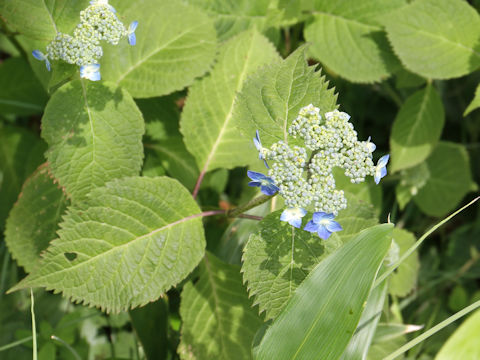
{"x": 90, "y": 72}
{"x": 265, "y": 183}
{"x": 132, "y": 39}
{"x": 323, "y": 224}
{"x": 258, "y": 145}
{"x": 293, "y": 216}
{"x": 37, "y": 54}
{"x": 381, "y": 168}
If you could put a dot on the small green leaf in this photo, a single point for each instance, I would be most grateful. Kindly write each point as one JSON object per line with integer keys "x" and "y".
{"x": 20, "y": 91}
{"x": 139, "y": 236}
{"x": 175, "y": 44}
{"x": 449, "y": 180}
{"x": 34, "y": 219}
{"x": 463, "y": 343}
{"x": 475, "y": 103}
{"x": 206, "y": 123}
{"x": 417, "y": 129}
{"x": 21, "y": 152}
{"x": 94, "y": 131}
{"x": 235, "y": 16}
{"x": 322, "y": 315}
{"x": 218, "y": 320}
{"x": 346, "y": 37}
{"x": 404, "y": 279}
{"x": 279, "y": 257}
{"x": 436, "y": 38}
{"x": 271, "y": 98}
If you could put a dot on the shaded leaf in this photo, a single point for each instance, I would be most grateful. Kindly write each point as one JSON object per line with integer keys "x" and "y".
{"x": 34, "y": 219}
{"x": 404, "y": 279}
{"x": 206, "y": 124}
{"x": 175, "y": 44}
{"x": 417, "y": 129}
{"x": 321, "y": 317}
{"x": 346, "y": 37}
{"x": 436, "y": 38}
{"x": 139, "y": 236}
{"x": 218, "y": 320}
{"x": 475, "y": 103}
{"x": 94, "y": 131}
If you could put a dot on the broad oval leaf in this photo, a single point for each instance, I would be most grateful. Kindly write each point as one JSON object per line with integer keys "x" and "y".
{"x": 271, "y": 98}
{"x": 436, "y": 38}
{"x": 322, "y": 315}
{"x": 206, "y": 123}
{"x": 175, "y": 44}
{"x": 94, "y": 131}
{"x": 34, "y": 219}
{"x": 279, "y": 257}
{"x": 463, "y": 343}
{"x": 347, "y": 38}
{"x": 449, "y": 179}
{"x": 218, "y": 319}
{"x": 417, "y": 128}
{"x": 138, "y": 236}
{"x": 404, "y": 279}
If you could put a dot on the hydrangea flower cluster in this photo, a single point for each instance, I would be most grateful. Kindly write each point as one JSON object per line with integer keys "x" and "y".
{"x": 98, "y": 22}
{"x": 303, "y": 175}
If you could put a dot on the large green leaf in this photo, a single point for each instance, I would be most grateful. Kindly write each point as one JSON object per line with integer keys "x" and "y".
{"x": 449, "y": 179}
{"x": 279, "y": 257}
{"x": 137, "y": 236}
{"x": 436, "y": 38}
{"x": 21, "y": 152}
{"x": 234, "y": 16}
{"x": 322, "y": 315}
{"x": 218, "y": 319}
{"x": 175, "y": 44}
{"x": 94, "y": 131}
{"x": 404, "y": 279}
{"x": 20, "y": 91}
{"x": 346, "y": 37}
{"x": 463, "y": 343}
{"x": 34, "y": 219}
{"x": 417, "y": 129}
{"x": 271, "y": 98}
{"x": 475, "y": 103}
{"x": 206, "y": 123}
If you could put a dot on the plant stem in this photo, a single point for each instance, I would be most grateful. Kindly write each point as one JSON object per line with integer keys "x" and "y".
{"x": 198, "y": 184}
{"x": 34, "y": 327}
{"x": 64, "y": 343}
{"x": 15, "y": 343}
{"x": 249, "y": 205}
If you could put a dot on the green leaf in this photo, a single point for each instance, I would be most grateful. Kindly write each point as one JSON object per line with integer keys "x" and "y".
{"x": 404, "y": 279}
{"x": 235, "y": 16}
{"x": 322, "y": 315}
{"x": 151, "y": 326}
{"x": 463, "y": 343}
{"x": 436, "y": 38}
{"x": 218, "y": 320}
{"x": 271, "y": 98}
{"x": 206, "y": 123}
{"x": 139, "y": 236}
{"x": 359, "y": 344}
{"x": 417, "y": 129}
{"x": 449, "y": 180}
{"x": 20, "y": 91}
{"x": 161, "y": 116}
{"x": 34, "y": 219}
{"x": 346, "y": 37}
{"x": 367, "y": 191}
{"x": 94, "y": 131}
{"x": 21, "y": 152}
{"x": 175, "y": 44}
{"x": 279, "y": 257}
{"x": 475, "y": 103}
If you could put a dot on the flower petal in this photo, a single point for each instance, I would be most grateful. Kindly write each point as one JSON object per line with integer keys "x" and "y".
{"x": 254, "y": 183}
{"x": 255, "y": 175}
{"x": 37, "y": 54}
{"x": 323, "y": 232}
{"x": 333, "y": 226}
{"x": 383, "y": 161}
{"x": 320, "y": 215}
{"x": 311, "y": 227}
{"x": 132, "y": 39}
{"x": 269, "y": 189}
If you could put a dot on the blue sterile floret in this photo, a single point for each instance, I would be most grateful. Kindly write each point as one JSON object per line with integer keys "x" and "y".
{"x": 303, "y": 175}
{"x": 265, "y": 183}
{"x": 323, "y": 224}
{"x": 98, "y": 22}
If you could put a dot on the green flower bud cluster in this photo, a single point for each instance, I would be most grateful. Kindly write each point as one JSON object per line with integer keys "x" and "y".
{"x": 97, "y": 23}
{"x": 304, "y": 177}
